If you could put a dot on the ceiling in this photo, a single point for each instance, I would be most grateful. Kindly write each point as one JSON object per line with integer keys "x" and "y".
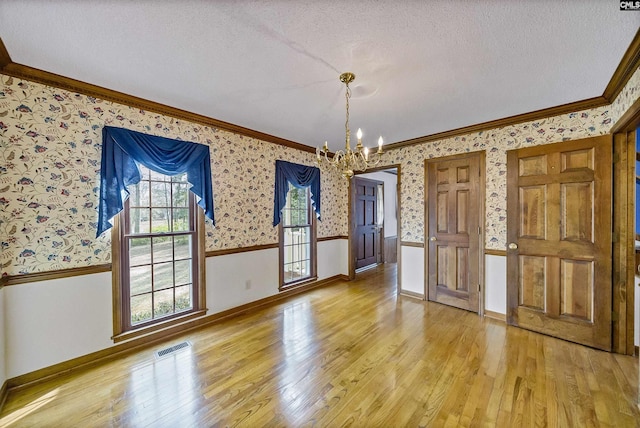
{"x": 422, "y": 67}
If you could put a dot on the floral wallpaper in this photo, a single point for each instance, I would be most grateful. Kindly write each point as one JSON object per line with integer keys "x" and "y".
{"x": 50, "y": 162}
{"x": 50, "y": 148}
{"x": 496, "y": 142}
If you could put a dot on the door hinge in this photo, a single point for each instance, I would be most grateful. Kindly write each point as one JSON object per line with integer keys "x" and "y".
{"x": 479, "y": 230}
{"x": 478, "y": 288}
{"x": 614, "y": 316}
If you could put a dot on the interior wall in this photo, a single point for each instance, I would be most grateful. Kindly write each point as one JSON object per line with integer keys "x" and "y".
{"x": 52, "y": 321}
{"x": 51, "y": 171}
{"x": 50, "y": 151}
{"x": 49, "y": 322}
{"x": 390, "y": 200}
{"x": 495, "y": 143}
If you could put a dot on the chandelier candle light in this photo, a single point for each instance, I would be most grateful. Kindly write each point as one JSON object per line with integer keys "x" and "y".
{"x": 346, "y": 161}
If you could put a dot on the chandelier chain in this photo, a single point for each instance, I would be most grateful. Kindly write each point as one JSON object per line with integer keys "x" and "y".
{"x": 346, "y": 123}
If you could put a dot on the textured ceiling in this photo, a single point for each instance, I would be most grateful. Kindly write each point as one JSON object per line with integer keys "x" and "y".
{"x": 422, "y": 67}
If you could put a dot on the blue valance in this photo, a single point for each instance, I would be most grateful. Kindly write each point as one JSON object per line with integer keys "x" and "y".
{"x": 299, "y": 176}
{"x": 122, "y": 149}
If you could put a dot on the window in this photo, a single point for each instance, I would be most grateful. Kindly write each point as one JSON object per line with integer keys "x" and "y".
{"x": 297, "y": 239}
{"x": 160, "y": 256}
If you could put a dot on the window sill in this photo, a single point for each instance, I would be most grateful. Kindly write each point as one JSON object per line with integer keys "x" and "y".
{"x": 296, "y": 284}
{"x": 158, "y": 327}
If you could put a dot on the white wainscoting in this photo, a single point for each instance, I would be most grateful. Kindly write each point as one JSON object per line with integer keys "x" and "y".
{"x": 48, "y": 322}
{"x": 495, "y": 284}
{"x": 412, "y": 269}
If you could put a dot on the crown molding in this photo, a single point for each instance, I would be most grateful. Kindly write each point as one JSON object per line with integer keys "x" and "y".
{"x": 507, "y": 121}
{"x": 5, "y": 59}
{"x": 628, "y": 65}
{"x": 21, "y": 71}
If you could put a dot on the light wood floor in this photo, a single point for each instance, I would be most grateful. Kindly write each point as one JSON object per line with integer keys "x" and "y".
{"x": 351, "y": 354}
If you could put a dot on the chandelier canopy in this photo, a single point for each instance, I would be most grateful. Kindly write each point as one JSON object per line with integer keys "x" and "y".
{"x": 347, "y": 161}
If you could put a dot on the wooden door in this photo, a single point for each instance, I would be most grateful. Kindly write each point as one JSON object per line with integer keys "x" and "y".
{"x": 367, "y": 231}
{"x": 455, "y": 205}
{"x": 559, "y": 240}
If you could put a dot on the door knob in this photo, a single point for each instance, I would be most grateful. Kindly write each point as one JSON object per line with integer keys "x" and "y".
{"x": 433, "y": 239}
{"x": 513, "y": 246}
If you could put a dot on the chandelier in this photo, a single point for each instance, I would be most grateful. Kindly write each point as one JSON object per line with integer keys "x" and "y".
{"x": 347, "y": 161}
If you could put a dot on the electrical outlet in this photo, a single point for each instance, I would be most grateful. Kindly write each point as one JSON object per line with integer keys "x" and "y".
{"x": 247, "y": 284}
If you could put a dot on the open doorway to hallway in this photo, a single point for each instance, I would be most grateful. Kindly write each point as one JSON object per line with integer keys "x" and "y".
{"x": 374, "y": 219}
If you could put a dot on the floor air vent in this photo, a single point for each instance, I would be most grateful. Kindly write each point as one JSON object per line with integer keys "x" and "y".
{"x": 172, "y": 349}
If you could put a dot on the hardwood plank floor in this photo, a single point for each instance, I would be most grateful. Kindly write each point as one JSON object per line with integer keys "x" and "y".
{"x": 351, "y": 354}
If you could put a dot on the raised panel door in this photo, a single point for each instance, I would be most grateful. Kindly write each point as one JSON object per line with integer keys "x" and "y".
{"x": 453, "y": 239}
{"x": 559, "y": 235}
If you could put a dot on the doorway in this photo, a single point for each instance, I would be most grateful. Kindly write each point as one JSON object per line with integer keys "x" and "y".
{"x": 368, "y": 201}
{"x": 374, "y": 223}
{"x": 626, "y": 287}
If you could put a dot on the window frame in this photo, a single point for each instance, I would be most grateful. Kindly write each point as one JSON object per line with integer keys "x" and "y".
{"x": 313, "y": 276}
{"x": 122, "y": 327}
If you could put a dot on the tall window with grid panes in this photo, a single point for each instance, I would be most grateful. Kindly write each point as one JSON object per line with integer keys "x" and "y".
{"x": 297, "y": 239}
{"x": 160, "y": 259}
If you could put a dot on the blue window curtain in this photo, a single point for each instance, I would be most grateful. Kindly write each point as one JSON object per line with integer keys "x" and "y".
{"x": 299, "y": 176}
{"x": 122, "y": 149}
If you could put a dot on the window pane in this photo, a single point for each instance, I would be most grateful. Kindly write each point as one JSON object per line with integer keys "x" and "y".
{"x": 288, "y": 273}
{"x": 162, "y": 303}
{"x": 139, "y": 196}
{"x": 183, "y": 298}
{"x": 157, "y": 176}
{"x": 144, "y": 171}
{"x": 139, "y": 251}
{"x": 182, "y": 178}
{"x": 138, "y": 220}
{"x": 295, "y": 217}
{"x": 162, "y": 276}
{"x": 183, "y": 272}
{"x": 140, "y": 308}
{"x": 180, "y": 195}
{"x": 160, "y": 220}
{"x": 305, "y": 268}
{"x": 140, "y": 280}
{"x": 180, "y": 219}
{"x": 162, "y": 249}
{"x": 182, "y": 247}
{"x": 289, "y": 236}
{"x": 160, "y": 194}
{"x": 290, "y": 253}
